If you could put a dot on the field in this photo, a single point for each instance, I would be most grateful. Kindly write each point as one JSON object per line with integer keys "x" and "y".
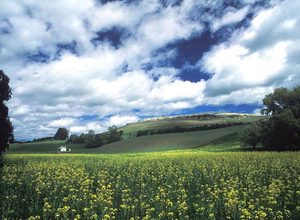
{"x": 185, "y": 184}
{"x": 44, "y": 147}
{"x": 164, "y": 142}
{"x": 151, "y": 143}
{"x": 186, "y": 121}
{"x": 140, "y": 144}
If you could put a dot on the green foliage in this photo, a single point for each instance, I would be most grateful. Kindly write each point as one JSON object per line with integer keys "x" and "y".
{"x": 114, "y": 134}
{"x": 61, "y": 134}
{"x": 5, "y": 91}
{"x": 282, "y": 130}
{"x": 252, "y": 134}
{"x": 6, "y": 128}
{"x": 93, "y": 140}
{"x": 42, "y": 139}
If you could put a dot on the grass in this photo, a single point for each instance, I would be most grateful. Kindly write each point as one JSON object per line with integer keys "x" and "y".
{"x": 165, "y": 142}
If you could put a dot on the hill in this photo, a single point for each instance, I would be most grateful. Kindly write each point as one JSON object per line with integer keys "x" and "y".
{"x": 159, "y": 142}
{"x": 186, "y": 121}
{"x": 165, "y": 142}
{"x": 44, "y": 147}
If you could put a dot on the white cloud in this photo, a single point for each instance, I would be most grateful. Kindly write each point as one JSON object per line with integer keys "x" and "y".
{"x": 62, "y": 122}
{"x": 167, "y": 26}
{"x": 256, "y": 59}
{"x": 121, "y": 120}
{"x": 232, "y": 16}
{"x": 170, "y": 92}
{"x": 106, "y": 81}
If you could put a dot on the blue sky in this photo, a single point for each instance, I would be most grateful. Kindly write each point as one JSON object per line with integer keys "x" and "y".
{"x": 92, "y": 64}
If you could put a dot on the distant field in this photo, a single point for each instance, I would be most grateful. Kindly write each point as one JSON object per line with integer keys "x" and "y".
{"x": 139, "y": 144}
{"x": 44, "y": 147}
{"x": 161, "y": 142}
{"x": 167, "y": 141}
{"x": 131, "y": 129}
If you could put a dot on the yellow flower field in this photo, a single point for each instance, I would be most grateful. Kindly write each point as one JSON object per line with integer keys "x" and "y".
{"x": 173, "y": 185}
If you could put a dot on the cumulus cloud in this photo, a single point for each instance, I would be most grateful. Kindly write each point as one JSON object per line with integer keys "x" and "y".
{"x": 256, "y": 59}
{"x": 121, "y": 120}
{"x": 63, "y": 122}
{"x": 59, "y": 75}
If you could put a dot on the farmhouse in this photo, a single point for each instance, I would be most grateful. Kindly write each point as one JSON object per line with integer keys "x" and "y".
{"x": 63, "y": 149}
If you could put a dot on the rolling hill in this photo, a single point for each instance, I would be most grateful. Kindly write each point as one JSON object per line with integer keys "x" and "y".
{"x": 158, "y": 142}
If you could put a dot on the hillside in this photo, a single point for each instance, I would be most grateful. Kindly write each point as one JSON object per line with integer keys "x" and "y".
{"x": 160, "y": 142}
{"x": 165, "y": 142}
{"x": 44, "y": 147}
{"x": 186, "y": 121}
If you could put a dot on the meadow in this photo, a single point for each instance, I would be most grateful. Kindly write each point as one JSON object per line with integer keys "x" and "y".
{"x": 184, "y": 184}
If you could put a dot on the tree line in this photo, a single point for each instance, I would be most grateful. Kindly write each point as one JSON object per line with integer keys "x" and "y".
{"x": 91, "y": 139}
{"x": 281, "y": 129}
{"x": 178, "y": 129}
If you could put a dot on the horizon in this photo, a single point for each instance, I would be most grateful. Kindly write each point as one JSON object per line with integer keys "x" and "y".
{"x": 93, "y": 64}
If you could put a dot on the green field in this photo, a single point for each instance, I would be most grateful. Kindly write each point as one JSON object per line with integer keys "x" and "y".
{"x": 186, "y": 122}
{"x": 151, "y": 143}
{"x": 139, "y": 144}
{"x": 184, "y": 184}
{"x": 44, "y": 147}
{"x": 167, "y": 141}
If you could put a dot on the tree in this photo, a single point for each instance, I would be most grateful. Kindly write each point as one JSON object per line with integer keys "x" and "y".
{"x": 61, "y": 134}
{"x": 90, "y": 139}
{"x": 114, "y": 134}
{"x": 6, "y": 128}
{"x": 282, "y": 130}
{"x": 72, "y": 138}
{"x": 252, "y": 134}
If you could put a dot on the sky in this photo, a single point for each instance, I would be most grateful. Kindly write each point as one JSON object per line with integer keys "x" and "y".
{"x": 91, "y": 64}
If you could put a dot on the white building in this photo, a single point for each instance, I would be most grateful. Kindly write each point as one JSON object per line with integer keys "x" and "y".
{"x": 63, "y": 149}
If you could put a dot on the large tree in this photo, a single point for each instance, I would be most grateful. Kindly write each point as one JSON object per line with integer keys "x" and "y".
{"x": 61, "y": 134}
{"x": 6, "y": 128}
{"x": 282, "y": 130}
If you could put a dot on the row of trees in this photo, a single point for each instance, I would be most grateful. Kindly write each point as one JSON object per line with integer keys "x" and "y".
{"x": 281, "y": 129}
{"x": 96, "y": 140}
{"x": 178, "y": 129}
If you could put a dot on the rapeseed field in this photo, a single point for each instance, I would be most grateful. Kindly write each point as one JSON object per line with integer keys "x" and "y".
{"x": 170, "y": 185}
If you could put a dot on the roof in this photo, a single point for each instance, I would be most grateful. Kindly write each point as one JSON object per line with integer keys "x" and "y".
{"x": 63, "y": 147}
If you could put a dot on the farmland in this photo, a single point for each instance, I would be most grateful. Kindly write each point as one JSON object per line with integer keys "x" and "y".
{"x": 184, "y": 184}
{"x": 203, "y": 174}
{"x": 136, "y": 144}
{"x": 172, "y": 141}
{"x": 186, "y": 121}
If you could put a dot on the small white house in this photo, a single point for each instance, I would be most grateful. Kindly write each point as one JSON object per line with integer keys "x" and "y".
{"x": 63, "y": 149}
